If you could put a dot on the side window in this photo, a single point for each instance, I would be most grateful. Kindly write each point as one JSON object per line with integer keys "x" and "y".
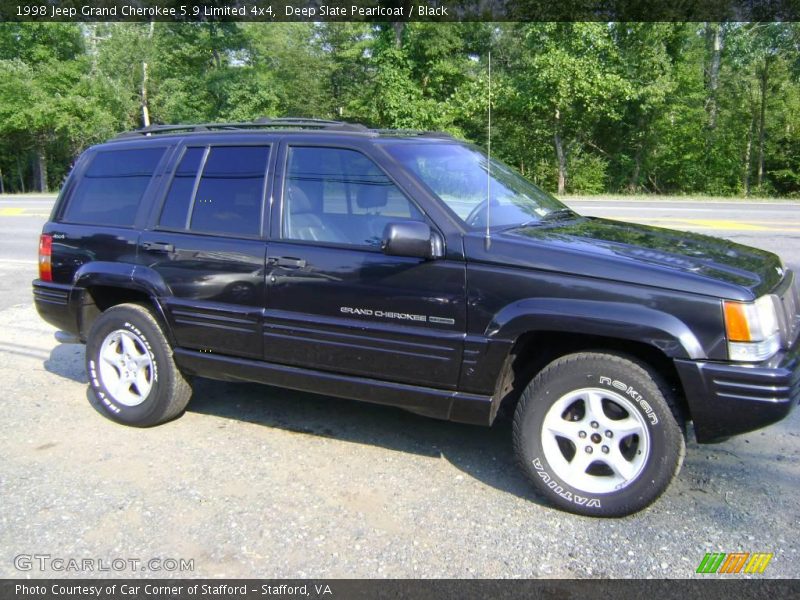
{"x": 231, "y": 191}
{"x": 229, "y": 195}
{"x": 340, "y": 196}
{"x": 179, "y": 198}
{"x": 112, "y": 187}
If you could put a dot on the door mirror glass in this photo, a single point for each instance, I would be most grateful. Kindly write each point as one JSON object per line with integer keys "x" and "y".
{"x": 411, "y": 238}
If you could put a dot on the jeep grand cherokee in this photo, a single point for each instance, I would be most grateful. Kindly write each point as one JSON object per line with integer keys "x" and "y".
{"x": 406, "y": 268}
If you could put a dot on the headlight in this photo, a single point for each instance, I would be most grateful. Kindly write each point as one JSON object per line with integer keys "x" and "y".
{"x": 752, "y": 329}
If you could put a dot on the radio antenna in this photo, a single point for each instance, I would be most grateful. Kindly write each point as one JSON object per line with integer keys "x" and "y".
{"x": 488, "y": 239}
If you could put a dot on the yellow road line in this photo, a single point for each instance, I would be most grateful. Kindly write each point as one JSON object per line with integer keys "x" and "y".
{"x": 703, "y": 224}
{"x": 719, "y": 224}
{"x": 724, "y": 225}
{"x": 15, "y": 211}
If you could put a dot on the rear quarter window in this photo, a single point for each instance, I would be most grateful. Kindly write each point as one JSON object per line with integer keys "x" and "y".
{"x": 112, "y": 187}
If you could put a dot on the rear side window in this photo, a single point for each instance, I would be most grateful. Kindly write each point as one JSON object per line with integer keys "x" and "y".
{"x": 229, "y": 193}
{"x": 112, "y": 187}
{"x": 176, "y": 207}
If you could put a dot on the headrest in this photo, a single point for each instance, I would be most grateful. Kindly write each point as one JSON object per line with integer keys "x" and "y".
{"x": 298, "y": 200}
{"x": 372, "y": 196}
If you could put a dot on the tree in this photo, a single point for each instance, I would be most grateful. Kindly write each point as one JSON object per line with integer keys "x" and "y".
{"x": 299, "y": 71}
{"x": 577, "y": 107}
{"x": 569, "y": 77}
{"x": 50, "y": 102}
{"x": 647, "y": 57}
{"x": 347, "y": 48}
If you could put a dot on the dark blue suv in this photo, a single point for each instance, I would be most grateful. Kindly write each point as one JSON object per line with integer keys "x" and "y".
{"x": 406, "y": 268}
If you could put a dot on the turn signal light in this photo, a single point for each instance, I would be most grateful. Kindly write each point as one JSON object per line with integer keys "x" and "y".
{"x": 752, "y": 329}
{"x": 736, "y": 322}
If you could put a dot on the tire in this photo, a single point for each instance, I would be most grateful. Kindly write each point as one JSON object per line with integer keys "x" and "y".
{"x": 598, "y": 435}
{"x": 127, "y": 345}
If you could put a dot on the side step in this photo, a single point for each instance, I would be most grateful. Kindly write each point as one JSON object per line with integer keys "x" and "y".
{"x": 440, "y": 404}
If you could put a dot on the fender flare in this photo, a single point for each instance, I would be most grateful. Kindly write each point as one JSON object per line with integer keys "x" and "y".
{"x": 618, "y": 320}
{"x": 119, "y": 275}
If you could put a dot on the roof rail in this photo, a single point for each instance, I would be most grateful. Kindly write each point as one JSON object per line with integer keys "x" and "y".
{"x": 437, "y": 134}
{"x": 417, "y": 132}
{"x": 303, "y": 122}
{"x": 288, "y": 122}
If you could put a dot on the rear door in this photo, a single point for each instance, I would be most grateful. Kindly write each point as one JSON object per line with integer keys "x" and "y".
{"x": 207, "y": 246}
{"x": 334, "y": 301}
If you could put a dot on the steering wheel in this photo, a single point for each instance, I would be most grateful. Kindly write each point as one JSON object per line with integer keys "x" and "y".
{"x": 477, "y": 216}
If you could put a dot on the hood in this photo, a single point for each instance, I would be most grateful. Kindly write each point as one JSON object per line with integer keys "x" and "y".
{"x": 640, "y": 254}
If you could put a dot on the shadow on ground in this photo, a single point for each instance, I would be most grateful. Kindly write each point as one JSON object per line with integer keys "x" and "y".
{"x": 480, "y": 452}
{"x": 484, "y": 453}
{"x": 67, "y": 360}
{"x": 715, "y": 478}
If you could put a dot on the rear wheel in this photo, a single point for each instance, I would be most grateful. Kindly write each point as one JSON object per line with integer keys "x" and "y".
{"x": 597, "y": 434}
{"x": 133, "y": 377}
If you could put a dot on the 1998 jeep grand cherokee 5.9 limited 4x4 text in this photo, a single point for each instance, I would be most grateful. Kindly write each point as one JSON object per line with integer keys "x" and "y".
{"x": 404, "y": 268}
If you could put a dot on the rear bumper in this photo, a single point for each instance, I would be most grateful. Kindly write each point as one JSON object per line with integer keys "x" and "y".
{"x": 726, "y": 399}
{"x": 55, "y": 304}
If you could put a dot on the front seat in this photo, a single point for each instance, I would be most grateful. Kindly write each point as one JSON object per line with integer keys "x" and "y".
{"x": 303, "y": 223}
{"x": 372, "y": 199}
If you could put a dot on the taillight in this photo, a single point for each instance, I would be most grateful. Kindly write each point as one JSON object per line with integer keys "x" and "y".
{"x": 45, "y": 257}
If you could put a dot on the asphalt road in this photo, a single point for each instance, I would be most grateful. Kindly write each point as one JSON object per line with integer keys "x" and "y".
{"x": 774, "y": 226}
{"x": 256, "y": 481}
{"x": 21, "y": 221}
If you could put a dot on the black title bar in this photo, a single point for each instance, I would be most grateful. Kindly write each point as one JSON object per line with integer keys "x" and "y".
{"x": 399, "y": 10}
{"x": 396, "y": 589}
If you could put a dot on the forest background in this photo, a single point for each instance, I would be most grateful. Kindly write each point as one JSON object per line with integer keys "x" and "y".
{"x": 581, "y": 108}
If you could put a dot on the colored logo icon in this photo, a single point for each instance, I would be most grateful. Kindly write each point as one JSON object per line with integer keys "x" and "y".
{"x": 735, "y": 562}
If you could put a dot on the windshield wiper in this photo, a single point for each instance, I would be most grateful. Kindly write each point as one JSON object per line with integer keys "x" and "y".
{"x": 559, "y": 213}
{"x": 554, "y": 215}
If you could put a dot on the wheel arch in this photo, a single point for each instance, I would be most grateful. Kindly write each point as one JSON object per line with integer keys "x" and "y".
{"x": 98, "y": 286}
{"x": 614, "y": 320}
{"x": 532, "y": 351}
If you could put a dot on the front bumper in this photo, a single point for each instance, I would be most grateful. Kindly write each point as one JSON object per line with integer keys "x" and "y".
{"x": 726, "y": 399}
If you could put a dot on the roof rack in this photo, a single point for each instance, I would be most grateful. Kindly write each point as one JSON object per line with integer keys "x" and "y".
{"x": 416, "y": 132}
{"x": 288, "y": 122}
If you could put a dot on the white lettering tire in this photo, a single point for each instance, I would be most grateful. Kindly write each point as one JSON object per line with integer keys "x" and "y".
{"x": 133, "y": 377}
{"x": 598, "y": 434}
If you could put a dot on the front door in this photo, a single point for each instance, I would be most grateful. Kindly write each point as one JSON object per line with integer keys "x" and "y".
{"x": 334, "y": 301}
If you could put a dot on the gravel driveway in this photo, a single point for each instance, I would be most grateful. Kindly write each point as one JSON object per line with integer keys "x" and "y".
{"x": 257, "y": 481}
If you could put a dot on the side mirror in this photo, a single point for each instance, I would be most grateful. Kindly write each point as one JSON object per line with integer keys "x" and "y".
{"x": 411, "y": 238}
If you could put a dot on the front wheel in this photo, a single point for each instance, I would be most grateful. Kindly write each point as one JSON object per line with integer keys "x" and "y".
{"x": 597, "y": 434}
{"x": 131, "y": 371}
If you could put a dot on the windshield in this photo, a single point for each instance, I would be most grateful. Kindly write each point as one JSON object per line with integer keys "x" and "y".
{"x": 457, "y": 174}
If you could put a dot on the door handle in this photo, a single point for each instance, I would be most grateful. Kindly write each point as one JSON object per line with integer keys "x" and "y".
{"x": 159, "y": 246}
{"x": 288, "y": 261}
